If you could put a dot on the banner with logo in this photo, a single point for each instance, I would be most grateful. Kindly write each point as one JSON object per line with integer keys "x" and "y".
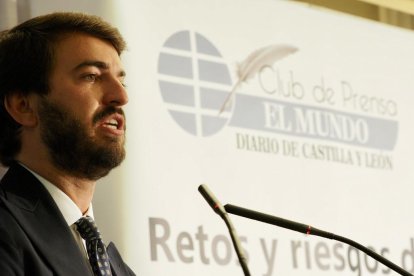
{"x": 299, "y": 113}
{"x": 318, "y": 129}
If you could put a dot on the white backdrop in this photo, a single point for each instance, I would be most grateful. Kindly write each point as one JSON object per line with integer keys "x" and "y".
{"x": 322, "y": 136}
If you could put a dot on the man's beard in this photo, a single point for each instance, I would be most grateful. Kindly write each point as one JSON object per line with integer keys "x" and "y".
{"x": 71, "y": 147}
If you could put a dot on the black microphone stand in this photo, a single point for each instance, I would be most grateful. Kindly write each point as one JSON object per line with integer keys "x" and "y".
{"x": 307, "y": 229}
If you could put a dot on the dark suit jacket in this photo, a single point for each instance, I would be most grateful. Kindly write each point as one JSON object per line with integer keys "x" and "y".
{"x": 34, "y": 237}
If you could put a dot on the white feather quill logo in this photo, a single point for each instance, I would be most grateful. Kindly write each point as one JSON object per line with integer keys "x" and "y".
{"x": 265, "y": 56}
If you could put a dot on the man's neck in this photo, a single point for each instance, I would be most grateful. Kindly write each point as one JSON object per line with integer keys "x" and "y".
{"x": 79, "y": 190}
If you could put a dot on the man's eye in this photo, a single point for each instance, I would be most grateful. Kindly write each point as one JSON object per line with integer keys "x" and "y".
{"x": 90, "y": 77}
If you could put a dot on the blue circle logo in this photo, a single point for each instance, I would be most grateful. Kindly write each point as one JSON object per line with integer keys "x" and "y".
{"x": 194, "y": 82}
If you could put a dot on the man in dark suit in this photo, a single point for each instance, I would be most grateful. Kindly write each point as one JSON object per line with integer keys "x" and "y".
{"x": 62, "y": 128}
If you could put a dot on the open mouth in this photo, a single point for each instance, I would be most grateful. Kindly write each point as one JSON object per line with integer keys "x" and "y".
{"x": 112, "y": 124}
{"x": 115, "y": 122}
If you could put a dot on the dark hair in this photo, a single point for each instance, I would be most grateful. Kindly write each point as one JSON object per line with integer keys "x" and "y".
{"x": 26, "y": 60}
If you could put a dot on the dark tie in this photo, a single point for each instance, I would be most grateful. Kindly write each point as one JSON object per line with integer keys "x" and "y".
{"x": 98, "y": 257}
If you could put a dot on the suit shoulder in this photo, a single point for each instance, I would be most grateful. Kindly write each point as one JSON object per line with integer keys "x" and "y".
{"x": 13, "y": 243}
{"x": 9, "y": 227}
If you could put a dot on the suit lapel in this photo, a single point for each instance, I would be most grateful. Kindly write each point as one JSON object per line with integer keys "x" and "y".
{"x": 115, "y": 260}
{"x": 32, "y": 206}
{"x": 119, "y": 268}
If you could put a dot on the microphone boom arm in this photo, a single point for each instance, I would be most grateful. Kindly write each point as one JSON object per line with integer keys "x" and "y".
{"x": 307, "y": 229}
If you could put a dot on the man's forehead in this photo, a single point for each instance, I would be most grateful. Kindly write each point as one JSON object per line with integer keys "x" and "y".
{"x": 80, "y": 50}
{"x": 64, "y": 37}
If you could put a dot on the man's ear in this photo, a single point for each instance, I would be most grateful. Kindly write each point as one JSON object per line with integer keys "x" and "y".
{"x": 21, "y": 108}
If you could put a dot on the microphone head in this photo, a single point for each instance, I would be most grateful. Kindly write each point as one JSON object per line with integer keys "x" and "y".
{"x": 211, "y": 200}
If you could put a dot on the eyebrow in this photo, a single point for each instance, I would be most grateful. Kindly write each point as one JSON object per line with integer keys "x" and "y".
{"x": 97, "y": 64}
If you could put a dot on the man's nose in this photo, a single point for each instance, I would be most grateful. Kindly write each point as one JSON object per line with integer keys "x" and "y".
{"x": 115, "y": 93}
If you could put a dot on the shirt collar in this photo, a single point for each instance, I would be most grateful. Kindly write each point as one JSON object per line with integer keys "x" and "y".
{"x": 67, "y": 207}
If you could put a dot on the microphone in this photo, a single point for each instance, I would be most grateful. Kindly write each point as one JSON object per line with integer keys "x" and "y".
{"x": 307, "y": 229}
{"x": 212, "y": 200}
{"x": 219, "y": 209}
